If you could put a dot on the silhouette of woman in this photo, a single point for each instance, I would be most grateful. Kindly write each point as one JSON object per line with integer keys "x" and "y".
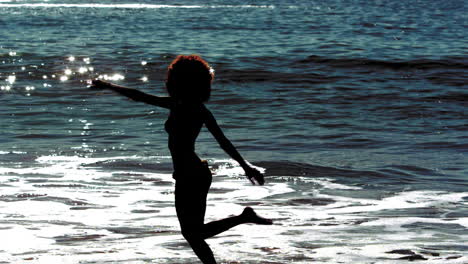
{"x": 189, "y": 86}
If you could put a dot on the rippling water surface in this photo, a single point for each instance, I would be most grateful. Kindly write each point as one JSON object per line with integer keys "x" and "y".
{"x": 355, "y": 110}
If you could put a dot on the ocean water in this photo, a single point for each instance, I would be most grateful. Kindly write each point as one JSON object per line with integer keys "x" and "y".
{"x": 355, "y": 110}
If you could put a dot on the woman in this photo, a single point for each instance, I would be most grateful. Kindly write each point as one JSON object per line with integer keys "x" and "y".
{"x": 189, "y": 86}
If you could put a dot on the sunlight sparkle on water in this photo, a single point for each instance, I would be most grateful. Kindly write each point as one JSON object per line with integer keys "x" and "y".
{"x": 144, "y": 79}
{"x": 82, "y": 70}
{"x": 144, "y": 63}
{"x": 115, "y": 77}
{"x": 11, "y": 79}
{"x": 67, "y": 72}
{"x": 71, "y": 58}
{"x": 63, "y": 78}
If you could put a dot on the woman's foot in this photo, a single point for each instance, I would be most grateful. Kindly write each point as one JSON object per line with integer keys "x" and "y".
{"x": 251, "y": 217}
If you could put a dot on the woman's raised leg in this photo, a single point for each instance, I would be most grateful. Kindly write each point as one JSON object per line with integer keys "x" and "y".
{"x": 248, "y": 216}
{"x": 190, "y": 202}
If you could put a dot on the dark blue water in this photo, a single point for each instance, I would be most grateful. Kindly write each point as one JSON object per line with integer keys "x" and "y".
{"x": 355, "y": 109}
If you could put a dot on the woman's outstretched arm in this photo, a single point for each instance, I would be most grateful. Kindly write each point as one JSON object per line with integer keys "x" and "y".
{"x": 165, "y": 102}
{"x": 227, "y": 146}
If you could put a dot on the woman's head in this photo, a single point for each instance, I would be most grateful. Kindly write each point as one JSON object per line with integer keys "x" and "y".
{"x": 189, "y": 78}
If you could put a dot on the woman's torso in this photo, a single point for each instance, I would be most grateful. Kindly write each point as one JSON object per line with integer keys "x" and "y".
{"x": 183, "y": 126}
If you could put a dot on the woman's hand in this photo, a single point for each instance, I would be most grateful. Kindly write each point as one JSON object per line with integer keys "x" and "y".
{"x": 254, "y": 176}
{"x": 98, "y": 84}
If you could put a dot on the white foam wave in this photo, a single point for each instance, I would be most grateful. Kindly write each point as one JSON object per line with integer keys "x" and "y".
{"x": 11, "y": 152}
{"x": 231, "y": 167}
{"x": 329, "y": 184}
{"x": 405, "y": 200}
{"x": 52, "y": 159}
{"x": 140, "y": 204}
{"x": 74, "y": 167}
{"x": 127, "y": 6}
